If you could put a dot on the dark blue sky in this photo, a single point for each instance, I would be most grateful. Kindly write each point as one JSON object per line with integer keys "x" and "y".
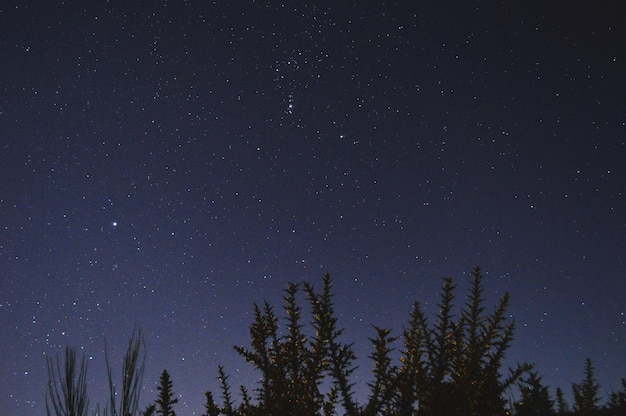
{"x": 170, "y": 163}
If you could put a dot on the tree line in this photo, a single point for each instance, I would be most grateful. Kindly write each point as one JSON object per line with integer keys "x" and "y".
{"x": 448, "y": 366}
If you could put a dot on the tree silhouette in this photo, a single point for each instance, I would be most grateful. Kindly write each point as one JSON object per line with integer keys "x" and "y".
{"x": 228, "y": 408}
{"x": 384, "y": 385}
{"x": 617, "y": 400}
{"x": 454, "y": 367}
{"x": 150, "y": 410}
{"x": 451, "y": 368}
{"x": 293, "y": 366}
{"x": 561, "y": 405}
{"x": 451, "y": 365}
{"x": 330, "y": 355}
{"x": 535, "y": 398}
{"x": 586, "y": 392}
{"x": 66, "y": 394}
{"x": 210, "y": 408}
{"x": 165, "y": 399}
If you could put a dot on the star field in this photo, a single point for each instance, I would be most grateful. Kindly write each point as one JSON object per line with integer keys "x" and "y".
{"x": 168, "y": 164}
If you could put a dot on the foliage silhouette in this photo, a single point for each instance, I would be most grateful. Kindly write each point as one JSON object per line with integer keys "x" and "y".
{"x": 150, "y": 410}
{"x": 210, "y": 407}
{"x": 383, "y": 388}
{"x": 561, "y": 405}
{"x": 451, "y": 365}
{"x": 586, "y": 392}
{"x": 454, "y": 367}
{"x": 617, "y": 400}
{"x": 165, "y": 400}
{"x": 66, "y": 394}
{"x": 228, "y": 408}
{"x": 132, "y": 378}
{"x": 535, "y": 398}
{"x": 293, "y": 366}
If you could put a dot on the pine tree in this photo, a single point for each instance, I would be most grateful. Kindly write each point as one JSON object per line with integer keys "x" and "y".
{"x": 454, "y": 367}
{"x": 561, "y": 405}
{"x": 617, "y": 401}
{"x": 210, "y": 408}
{"x": 150, "y": 410}
{"x": 586, "y": 392}
{"x": 331, "y": 355}
{"x": 165, "y": 399}
{"x": 535, "y": 399}
{"x": 293, "y": 366}
{"x": 384, "y": 385}
{"x": 228, "y": 407}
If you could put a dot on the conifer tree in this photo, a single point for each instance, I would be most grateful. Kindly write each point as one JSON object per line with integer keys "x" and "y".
{"x": 454, "y": 367}
{"x": 561, "y": 405}
{"x": 617, "y": 400}
{"x": 165, "y": 399}
{"x": 535, "y": 398}
{"x": 246, "y": 408}
{"x": 586, "y": 392}
{"x": 228, "y": 407}
{"x": 384, "y": 384}
{"x": 210, "y": 408}
{"x": 331, "y": 354}
{"x": 293, "y": 366}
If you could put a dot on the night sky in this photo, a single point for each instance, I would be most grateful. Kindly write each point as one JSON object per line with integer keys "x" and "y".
{"x": 168, "y": 164}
